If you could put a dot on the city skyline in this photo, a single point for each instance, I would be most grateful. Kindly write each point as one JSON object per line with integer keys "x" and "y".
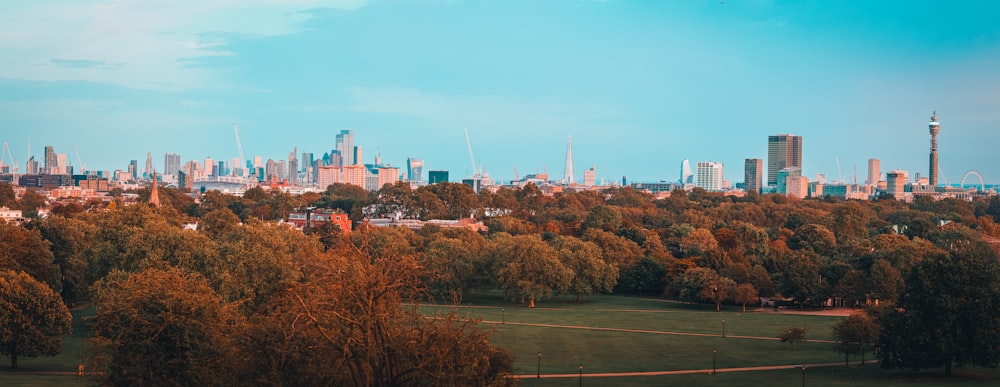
{"x": 640, "y": 87}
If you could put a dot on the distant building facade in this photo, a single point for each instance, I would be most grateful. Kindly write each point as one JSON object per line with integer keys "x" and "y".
{"x": 434, "y": 177}
{"x": 709, "y": 175}
{"x": 783, "y": 151}
{"x": 753, "y": 175}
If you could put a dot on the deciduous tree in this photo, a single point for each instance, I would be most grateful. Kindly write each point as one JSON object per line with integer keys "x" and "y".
{"x": 532, "y": 269}
{"x": 855, "y": 333}
{"x": 32, "y": 317}
{"x": 792, "y": 335}
{"x": 161, "y": 327}
{"x": 949, "y": 314}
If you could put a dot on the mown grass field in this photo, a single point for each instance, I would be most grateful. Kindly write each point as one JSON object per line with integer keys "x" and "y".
{"x": 74, "y": 352}
{"x": 694, "y": 331}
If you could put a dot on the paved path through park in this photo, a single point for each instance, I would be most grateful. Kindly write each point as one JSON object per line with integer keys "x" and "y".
{"x": 684, "y": 372}
{"x": 650, "y": 331}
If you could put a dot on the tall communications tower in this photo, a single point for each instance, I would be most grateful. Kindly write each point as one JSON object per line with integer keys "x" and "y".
{"x": 934, "y": 129}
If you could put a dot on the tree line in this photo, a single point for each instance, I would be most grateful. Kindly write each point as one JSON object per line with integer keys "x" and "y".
{"x": 265, "y": 289}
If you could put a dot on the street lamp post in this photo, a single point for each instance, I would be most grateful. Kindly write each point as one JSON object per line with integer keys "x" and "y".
{"x": 723, "y": 329}
{"x": 539, "y": 369}
{"x": 581, "y": 374}
{"x": 803, "y": 375}
{"x": 713, "y": 360}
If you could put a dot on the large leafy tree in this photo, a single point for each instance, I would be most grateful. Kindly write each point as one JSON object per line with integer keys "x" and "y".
{"x": 163, "y": 327}
{"x": 532, "y": 269}
{"x": 353, "y": 324}
{"x": 590, "y": 273}
{"x": 949, "y": 314}
{"x": 25, "y": 250}
{"x": 32, "y": 317}
{"x": 855, "y": 333}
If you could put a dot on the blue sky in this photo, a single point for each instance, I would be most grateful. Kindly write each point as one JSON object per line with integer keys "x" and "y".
{"x": 640, "y": 85}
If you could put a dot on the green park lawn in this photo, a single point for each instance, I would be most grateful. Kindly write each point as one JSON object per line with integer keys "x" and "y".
{"x": 32, "y": 371}
{"x": 748, "y": 343}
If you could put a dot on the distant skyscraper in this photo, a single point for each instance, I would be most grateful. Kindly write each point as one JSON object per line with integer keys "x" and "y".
{"x": 307, "y": 161}
{"x": 434, "y": 177}
{"x": 171, "y": 163}
{"x": 50, "y": 160}
{"x": 686, "y": 176}
{"x": 414, "y": 169}
{"x": 783, "y": 151}
{"x": 62, "y": 167}
{"x": 874, "y": 171}
{"x": 590, "y": 177}
{"x": 345, "y": 147}
{"x": 293, "y": 167}
{"x": 568, "y": 172}
{"x": 895, "y": 182}
{"x": 133, "y": 169}
{"x": 709, "y": 175}
{"x": 148, "y": 172}
{"x": 797, "y": 187}
{"x": 934, "y": 129}
{"x": 753, "y": 175}
{"x": 31, "y": 167}
{"x": 781, "y": 180}
{"x": 210, "y": 167}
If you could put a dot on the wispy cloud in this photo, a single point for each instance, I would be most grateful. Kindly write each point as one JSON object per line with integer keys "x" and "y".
{"x": 146, "y": 44}
{"x": 84, "y": 63}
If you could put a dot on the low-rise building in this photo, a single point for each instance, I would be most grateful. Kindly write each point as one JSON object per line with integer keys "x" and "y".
{"x": 313, "y": 217}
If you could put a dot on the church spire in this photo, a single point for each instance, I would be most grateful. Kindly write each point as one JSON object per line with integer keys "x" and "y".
{"x": 154, "y": 196}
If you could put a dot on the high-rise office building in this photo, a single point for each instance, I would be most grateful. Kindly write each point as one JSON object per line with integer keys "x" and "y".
{"x": 783, "y": 151}
{"x": 708, "y": 175}
{"x": 345, "y": 148}
{"x": 895, "y": 182}
{"x": 51, "y": 164}
{"x": 934, "y": 129}
{"x": 306, "y": 162}
{"x": 293, "y": 167}
{"x": 62, "y": 166}
{"x": 171, "y": 163}
{"x": 133, "y": 169}
{"x": 31, "y": 167}
{"x": 414, "y": 169}
{"x": 781, "y": 180}
{"x": 874, "y": 172}
{"x": 590, "y": 177}
{"x": 148, "y": 172}
{"x": 687, "y": 177}
{"x": 568, "y": 172}
{"x": 753, "y": 175}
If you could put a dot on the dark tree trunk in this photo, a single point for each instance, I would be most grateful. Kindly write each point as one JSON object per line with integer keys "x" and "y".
{"x": 13, "y": 360}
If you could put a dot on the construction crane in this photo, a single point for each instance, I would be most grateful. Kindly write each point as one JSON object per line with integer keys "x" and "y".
{"x": 83, "y": 167}
{"x": 475, "y": 171}
{"x": 236, "y": 133}
{"x": 10, "y": 157}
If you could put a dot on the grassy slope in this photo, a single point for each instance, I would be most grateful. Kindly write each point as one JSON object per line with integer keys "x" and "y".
{"x": 613, "y": 351}
{"x": 74, "y": 351}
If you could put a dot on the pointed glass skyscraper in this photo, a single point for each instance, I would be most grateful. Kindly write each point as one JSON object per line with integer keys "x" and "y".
{"x": 568, "y": 173}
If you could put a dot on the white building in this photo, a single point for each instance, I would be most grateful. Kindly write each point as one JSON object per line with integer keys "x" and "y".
{"x": 709, "y": 175}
